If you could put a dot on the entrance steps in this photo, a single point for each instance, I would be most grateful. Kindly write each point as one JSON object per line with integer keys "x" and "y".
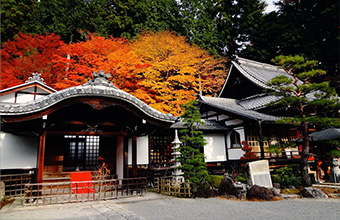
{"x": 52, "y": 177}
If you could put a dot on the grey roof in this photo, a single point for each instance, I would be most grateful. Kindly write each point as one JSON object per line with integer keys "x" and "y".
{"x": 232, "y": 106}
{"x": 328, "y": 134}
{"x": 257, "y": 101}
{"x": 31, "y": 80}
{"x": 258, "y": 73}
{"x": 96, "y": 87}
{"x": 208, "y": 125}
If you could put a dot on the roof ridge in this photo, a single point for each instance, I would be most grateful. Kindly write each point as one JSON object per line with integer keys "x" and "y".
{"x": 248, "y": 61}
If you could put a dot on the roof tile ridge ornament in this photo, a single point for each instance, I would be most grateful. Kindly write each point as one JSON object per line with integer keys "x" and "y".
{"x": 35, "y": 77}
{"x": 100, "y": 79}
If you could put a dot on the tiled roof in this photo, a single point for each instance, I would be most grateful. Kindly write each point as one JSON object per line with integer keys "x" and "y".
{"x": 258, "y": 73}
{"x": 97, "y": 87}
{"x": 208, "y": 125}
{"x": 257, "y": 101}
{"x": 232, "y": 106}
{"x": 328, "y": 134}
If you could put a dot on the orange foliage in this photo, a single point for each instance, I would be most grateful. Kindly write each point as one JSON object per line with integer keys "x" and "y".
{"x": 27, "y": 54}
{"x": 113, "y": 55}
{"x": 176, "y": 71}
{"x": 161, "y": 69}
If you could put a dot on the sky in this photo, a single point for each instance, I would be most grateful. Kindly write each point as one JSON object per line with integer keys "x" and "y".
{"x": 271, "y": 6}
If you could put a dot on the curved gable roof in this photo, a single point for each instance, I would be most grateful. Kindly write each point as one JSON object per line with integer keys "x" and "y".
{"x": 99, "y": 87}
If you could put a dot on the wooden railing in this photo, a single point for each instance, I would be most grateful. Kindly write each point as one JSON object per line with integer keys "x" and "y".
{"x": 65, "y": 192}
{"x": 294, "y": 154}
{"x": 15, "y": 184}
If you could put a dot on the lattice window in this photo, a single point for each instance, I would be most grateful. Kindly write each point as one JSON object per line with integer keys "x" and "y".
{"x": 92, "y": 150}
{"x": 83, "y": 150}
{"x": 160, "y": 151}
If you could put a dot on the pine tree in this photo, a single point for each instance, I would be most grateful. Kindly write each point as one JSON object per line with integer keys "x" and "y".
{"x": 313, "y": 103}
{"x": 192, "y": 156}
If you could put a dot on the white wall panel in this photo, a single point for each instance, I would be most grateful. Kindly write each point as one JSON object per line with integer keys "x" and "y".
{"x": 9, "y": 98}
{"x": 130, "y": 151}
{"x": 18, "y": 151}
{"x": 120, "y": 157}
{"x": 214, "y": 150}
{"x": 143, "y": 150}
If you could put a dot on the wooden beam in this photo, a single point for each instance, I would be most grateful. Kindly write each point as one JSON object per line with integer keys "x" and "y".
{"x": 41, "y": 157}
{"x": 109, "y": 134}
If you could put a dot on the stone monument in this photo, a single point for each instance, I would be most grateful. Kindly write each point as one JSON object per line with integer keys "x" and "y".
{"x": 258, "y": 173}
{"x": 335, "y": 172}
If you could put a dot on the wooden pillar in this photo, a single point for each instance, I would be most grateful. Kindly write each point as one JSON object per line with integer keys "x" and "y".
{"x": 126, "y": 157}
{"x": 41, "y": 157}
{"x": 261, "y": 138}
{"x": 134, "y": 156}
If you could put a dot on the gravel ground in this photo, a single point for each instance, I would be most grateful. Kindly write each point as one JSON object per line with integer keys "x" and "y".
{"x": 155, "y": 206}
{"x": 216, "y": 208}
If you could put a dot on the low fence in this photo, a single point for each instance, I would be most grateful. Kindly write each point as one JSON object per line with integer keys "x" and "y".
{"x": 167, "y": 186}
{"x": 15, "y": 184}
{"x": 65, "y": 192}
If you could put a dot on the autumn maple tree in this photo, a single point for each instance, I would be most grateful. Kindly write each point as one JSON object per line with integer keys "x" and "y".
{"x": 27, "y": 54}
{"x": 177, "y": 73}
{"x": 161, "y": 69}
{"x": 113, "y": 55}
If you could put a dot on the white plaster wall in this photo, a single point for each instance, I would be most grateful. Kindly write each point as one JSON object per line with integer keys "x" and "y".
{"x": 214, "y": 150}
{"x": 143, "y": 150}
{"x": 120, "y": 158}
{"x": 236, "y": 153}
{"x": 9, "y": 98}
{"x": 21, "y": 98}
{"x": 130, "y": 151}
{"x": 18, "y": 151}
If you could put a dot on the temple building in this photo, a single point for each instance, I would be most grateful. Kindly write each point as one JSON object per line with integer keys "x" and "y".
{"x": 75, "y": 129}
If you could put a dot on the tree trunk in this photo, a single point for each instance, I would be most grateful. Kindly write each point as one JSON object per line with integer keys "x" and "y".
{"x": 306, "y": 180}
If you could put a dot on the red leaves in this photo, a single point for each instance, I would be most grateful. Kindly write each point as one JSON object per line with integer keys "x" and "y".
{"x": 28, "y": 54}
{"x": 161, "y": 69}
{"x": 249, "y": 155}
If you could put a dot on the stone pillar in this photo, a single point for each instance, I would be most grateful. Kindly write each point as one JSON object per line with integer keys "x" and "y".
{"x": 177, "y": 174}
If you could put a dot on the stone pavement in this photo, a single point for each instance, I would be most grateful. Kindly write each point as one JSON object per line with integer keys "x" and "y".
{"x": 98, "y": 210}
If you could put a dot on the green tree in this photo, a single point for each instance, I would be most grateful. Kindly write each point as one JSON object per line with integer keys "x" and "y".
{"x": 63, "y": 17}
{"x": 17, "y": 16}
{"x": 312, "y": 103}
{"x": 222, "y": 27}
{"x": 308, "y": 26}
{"x": 192, "y": 156}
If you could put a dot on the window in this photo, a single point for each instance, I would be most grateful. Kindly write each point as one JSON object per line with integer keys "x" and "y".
{"x": 92, "y": 150}
{"x": 160, "y": 151}
{"x": 81, "y": 151}
{"x": 235, "y": 139}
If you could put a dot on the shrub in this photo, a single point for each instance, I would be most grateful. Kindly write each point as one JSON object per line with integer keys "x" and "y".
{"x": 241, "y": 178}
{"x": 288, "y": 176}
{"x": 215, "y": 181}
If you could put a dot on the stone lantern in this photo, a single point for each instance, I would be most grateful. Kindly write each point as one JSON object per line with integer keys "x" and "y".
{"x": 177, "y": 174}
